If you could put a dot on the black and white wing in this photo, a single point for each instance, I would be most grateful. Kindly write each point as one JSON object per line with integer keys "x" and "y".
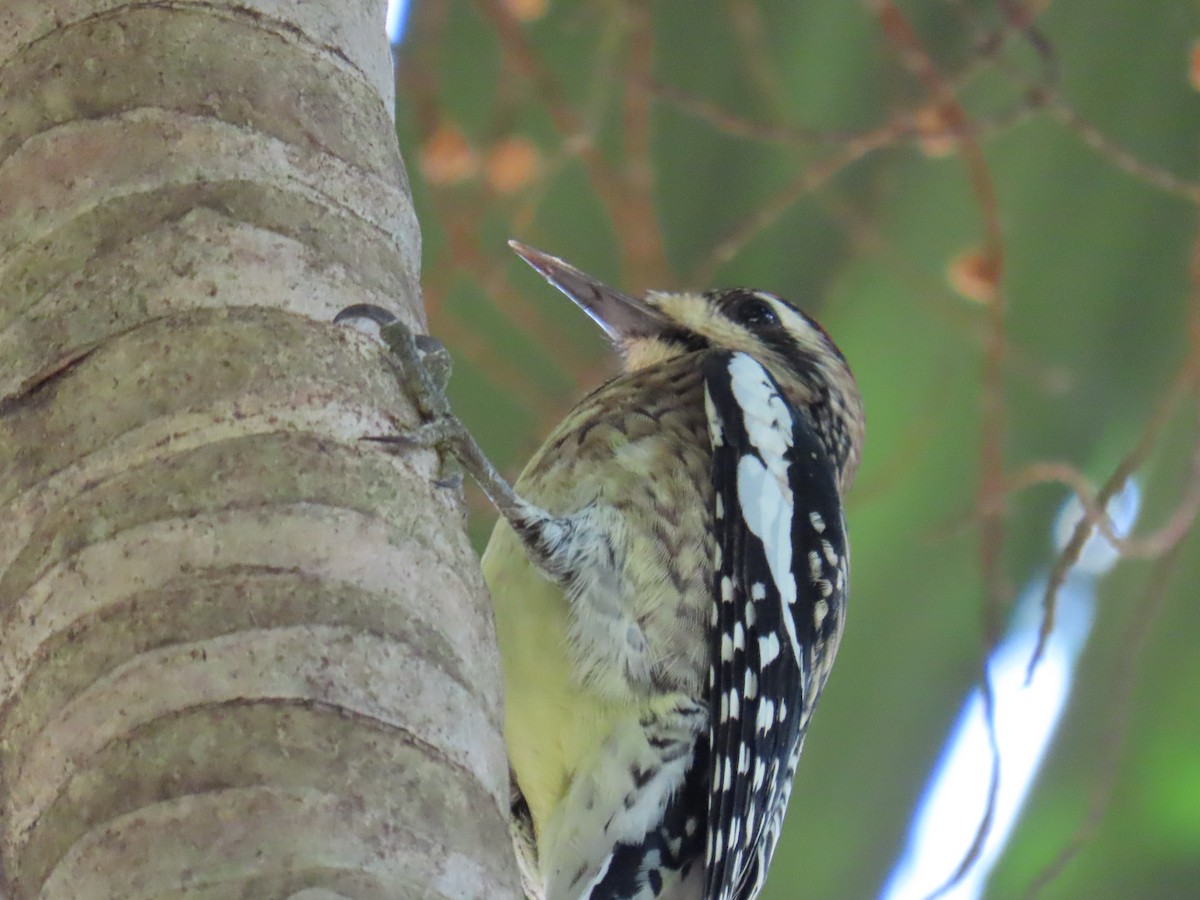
{"x": 780, "y": 593}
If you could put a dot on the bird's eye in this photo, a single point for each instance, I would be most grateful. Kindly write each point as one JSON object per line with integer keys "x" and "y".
{"x": 754, "y": 312}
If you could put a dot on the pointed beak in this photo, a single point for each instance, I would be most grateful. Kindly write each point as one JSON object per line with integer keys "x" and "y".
{"x": 620, "y": 315}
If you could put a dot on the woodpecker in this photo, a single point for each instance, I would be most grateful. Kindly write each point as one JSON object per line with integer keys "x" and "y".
{"x": 669, "y": 577}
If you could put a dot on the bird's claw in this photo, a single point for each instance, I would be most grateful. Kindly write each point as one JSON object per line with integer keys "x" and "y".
{"x": 423, "y": 369}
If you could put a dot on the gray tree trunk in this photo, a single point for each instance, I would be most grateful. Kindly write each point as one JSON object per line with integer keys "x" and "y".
{"x": 242, "y": 653}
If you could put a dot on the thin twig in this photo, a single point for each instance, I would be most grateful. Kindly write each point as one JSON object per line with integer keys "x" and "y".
{"x": 1184, "y": 382}
{"x": 1119, "y": 156}
{"x": 991, "y": 482}
{"x": 812, "y": 178}
{"x": 1137, "y": 640}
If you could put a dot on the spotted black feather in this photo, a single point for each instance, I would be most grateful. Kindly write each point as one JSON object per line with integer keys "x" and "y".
{"x": 669, "y": 853}
{"x": 780, "y": 584}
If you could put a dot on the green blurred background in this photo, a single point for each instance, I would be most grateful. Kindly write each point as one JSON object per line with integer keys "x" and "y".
{"x": 696, "y": 143}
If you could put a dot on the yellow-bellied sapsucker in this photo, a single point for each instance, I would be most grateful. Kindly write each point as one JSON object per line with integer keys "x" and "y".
{"x": 669, "y": 578}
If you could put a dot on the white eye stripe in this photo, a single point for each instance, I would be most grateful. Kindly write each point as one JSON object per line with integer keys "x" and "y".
{"x": 806, "y": 335}
{"x": 800, "y": 328}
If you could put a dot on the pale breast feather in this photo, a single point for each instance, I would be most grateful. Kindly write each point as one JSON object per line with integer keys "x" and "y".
{"x": 779, "y": 596}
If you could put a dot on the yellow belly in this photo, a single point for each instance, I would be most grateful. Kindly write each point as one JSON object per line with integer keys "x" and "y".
{"x": 551, "y": 725}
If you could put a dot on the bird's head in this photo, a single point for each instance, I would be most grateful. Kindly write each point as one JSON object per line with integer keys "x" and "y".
{"x": 660, "y": 326}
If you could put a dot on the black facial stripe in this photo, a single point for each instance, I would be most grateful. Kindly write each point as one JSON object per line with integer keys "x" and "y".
{"x": 730, "y": 299}
{"x": 688, "y": 341}
{"x": 777, "y": 339}
{"x": 785, "y": 345}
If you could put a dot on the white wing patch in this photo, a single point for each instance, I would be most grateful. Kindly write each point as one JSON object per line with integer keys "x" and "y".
{"x": 778, "y": 600}
{"x": 764, "y": 494}
{"x": 768, "y": 422}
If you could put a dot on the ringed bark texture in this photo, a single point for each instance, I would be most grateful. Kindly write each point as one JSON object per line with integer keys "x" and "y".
{"x": 242, "y": 652}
